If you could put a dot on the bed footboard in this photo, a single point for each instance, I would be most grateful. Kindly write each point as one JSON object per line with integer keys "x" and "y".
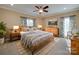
{"x": 36, "y": 48}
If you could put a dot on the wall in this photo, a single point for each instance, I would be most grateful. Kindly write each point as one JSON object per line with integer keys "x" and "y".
{"x": 11, "y": 18}
{"x": 77, "y": 20}
{"x": 39, "y": 21}
{"x": 57, "y": 17}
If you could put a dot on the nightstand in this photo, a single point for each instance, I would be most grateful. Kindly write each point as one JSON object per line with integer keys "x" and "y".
{"x": 15, "y": 36}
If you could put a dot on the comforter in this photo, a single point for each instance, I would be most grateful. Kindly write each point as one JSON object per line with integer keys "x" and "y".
{"x": 32, "y": 38}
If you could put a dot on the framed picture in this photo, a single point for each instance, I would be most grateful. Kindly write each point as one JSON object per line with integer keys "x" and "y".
{"x": 52, "y": 22}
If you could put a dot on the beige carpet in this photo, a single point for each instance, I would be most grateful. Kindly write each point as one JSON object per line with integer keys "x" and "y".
{"x": 56, "y": 47}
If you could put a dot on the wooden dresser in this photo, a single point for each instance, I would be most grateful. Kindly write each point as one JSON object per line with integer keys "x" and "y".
{"x": 75, "y": 46}
{"x": 53, "y": 30}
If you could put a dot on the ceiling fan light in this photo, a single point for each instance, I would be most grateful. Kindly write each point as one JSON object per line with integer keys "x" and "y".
{"x": 40, "y": 10}
{"x": 11, "y": 4}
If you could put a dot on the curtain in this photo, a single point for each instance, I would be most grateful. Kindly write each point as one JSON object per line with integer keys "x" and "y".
{"x": 73, "y": 27}
{"x": 61, "y": 28}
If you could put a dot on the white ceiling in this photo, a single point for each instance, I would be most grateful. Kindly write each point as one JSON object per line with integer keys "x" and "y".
{"x": 53, "y": 8}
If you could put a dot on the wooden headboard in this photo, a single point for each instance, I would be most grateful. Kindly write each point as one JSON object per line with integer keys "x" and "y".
{"x": 54, "y": 30}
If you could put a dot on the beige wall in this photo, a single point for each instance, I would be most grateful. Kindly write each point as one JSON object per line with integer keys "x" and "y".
{"x": 11, "y": 18}
{"x": 77, "y": 20}
{"x": 57, "y": 17}
{"x": 39, "y": 21}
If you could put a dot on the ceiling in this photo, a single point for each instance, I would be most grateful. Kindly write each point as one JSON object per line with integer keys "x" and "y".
{"x": 29, "y": 8}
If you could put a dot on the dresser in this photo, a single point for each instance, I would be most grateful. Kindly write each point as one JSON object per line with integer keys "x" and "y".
{"x": 54, "y": 30}
{"x": 75, "y": 46}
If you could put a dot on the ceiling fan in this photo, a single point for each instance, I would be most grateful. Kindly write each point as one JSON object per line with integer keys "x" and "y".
{"x": 41, "y": 9}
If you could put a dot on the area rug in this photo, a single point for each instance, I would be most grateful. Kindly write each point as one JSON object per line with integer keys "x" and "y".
{"x": 56, "y": 47}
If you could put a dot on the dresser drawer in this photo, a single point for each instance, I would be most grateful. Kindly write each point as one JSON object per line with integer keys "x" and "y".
{"x": 75, "y": 46}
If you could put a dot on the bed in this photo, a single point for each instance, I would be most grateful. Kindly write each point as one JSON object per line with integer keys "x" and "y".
{"x": 34, "y": 40}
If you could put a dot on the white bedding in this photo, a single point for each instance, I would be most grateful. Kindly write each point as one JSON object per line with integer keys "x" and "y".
{"x": 32, "y": 38}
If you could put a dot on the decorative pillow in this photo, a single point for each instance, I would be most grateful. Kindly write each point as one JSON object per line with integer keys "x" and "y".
{"x": 34, "y": 28}
{"x": 30, "y": 29}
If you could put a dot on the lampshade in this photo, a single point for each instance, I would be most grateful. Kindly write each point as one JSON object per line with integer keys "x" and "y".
{"x": 15, "y": 27}
{"x": 39, "y": 26}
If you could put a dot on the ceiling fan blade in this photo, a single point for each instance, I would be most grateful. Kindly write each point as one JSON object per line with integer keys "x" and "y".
{"x": 45, "y": 7}
{"x": 45, "y": 10}
{"x": 37, "y": 7}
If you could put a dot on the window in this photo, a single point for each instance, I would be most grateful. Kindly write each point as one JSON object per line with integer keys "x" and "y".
{"x": 27, "y": 22}
{"x": 69, "y": 24}
{"x": 66, "y": 25}
{"x": 30, "y": 22}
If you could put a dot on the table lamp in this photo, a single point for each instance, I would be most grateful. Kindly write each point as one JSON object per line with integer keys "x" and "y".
{"x": 15, "y": 28}
{"x": 39, "y": 26}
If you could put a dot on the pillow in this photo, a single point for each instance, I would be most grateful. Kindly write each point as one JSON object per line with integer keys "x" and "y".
{"x": 30, "y": 28}
{"x": 34, "y": 28}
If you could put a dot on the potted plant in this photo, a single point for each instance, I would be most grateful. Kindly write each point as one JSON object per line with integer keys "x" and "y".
{"x": 2, "y": 32}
